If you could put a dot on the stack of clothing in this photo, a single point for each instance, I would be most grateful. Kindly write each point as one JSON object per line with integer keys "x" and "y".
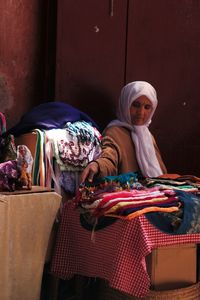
{"x": 187, "y": 189}
{"x": 67, "y": 140}
{"x": 183, "y": 183}
{"x": 124, "y": 197}
{"x": 170, "y": 204}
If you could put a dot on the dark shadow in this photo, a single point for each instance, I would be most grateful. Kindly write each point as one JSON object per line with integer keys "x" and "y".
{"x": 95, "y": 102}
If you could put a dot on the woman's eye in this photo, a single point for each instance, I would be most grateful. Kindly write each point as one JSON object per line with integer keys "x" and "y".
{"x": 136, "y": 104}
{"x": 148, "y": 106}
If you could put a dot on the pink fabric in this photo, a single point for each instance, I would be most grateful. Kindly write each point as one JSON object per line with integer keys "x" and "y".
{"x": 117, "y": 252}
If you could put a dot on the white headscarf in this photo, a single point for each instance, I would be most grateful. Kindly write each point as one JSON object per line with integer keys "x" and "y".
{"x": 141, "y": 136}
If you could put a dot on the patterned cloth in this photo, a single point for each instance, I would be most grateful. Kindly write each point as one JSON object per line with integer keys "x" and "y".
{"x": 75, "y": 146}
{"x": 116, "y": 253}
{"x": 9, "y": 175}
{"x": 79, "y": 144}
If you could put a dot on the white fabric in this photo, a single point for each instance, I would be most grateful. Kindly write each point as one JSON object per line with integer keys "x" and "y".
{"x": 141, "y": 136}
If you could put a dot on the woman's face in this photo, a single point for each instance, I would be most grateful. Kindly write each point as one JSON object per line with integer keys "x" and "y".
{"x": 140, "y": 110}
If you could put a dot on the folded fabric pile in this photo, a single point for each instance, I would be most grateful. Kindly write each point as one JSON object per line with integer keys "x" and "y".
{"x": 124, "y": 197}
{"x": 90, "y": 191}
{"x": 171, "y": 203}
{"x": 67, "y": 139}
{"x": 182, "y": 183}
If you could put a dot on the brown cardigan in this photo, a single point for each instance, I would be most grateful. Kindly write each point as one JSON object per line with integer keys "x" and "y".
{"x": 118, "y": 153}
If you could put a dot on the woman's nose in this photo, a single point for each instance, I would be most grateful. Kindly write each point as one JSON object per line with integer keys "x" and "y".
{"x": 141, "y": 110}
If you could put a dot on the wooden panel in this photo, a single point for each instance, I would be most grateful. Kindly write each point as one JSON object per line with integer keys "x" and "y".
{"x": 91, "y": 45}
{"x": 163, "y": 48}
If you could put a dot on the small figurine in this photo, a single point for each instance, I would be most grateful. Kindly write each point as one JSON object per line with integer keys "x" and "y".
{"x": 25, "y": 163}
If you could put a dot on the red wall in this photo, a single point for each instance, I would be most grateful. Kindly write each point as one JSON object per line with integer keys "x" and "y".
{"x": 22, "y": 44}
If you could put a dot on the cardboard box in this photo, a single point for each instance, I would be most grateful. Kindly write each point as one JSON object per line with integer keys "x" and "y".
{"x": 26, "y": 220}
{"x": 172, "y": 267}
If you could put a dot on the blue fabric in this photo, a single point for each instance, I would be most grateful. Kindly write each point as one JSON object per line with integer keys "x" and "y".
{"x": 123, "y": 178}
{"x": 191, "y": 216}
{"x": 129, "y": 178}
{"x": 49, "y": 115}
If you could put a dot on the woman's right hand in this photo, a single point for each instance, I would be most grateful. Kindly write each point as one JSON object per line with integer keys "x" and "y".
{"x": 89, "y": 172}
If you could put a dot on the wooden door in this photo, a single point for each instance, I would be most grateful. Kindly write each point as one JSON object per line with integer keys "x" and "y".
{"x": 163, "y": 48}
{"x": 103, "y": 44}
{"x": 91, "y": 51}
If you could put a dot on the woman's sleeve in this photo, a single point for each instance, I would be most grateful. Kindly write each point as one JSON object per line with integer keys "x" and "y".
{"x": 110, "y": 157}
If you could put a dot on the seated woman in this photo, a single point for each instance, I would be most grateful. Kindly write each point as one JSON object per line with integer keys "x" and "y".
{"x": 127, "y": 144}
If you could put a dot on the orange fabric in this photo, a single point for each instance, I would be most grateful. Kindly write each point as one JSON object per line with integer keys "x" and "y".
{"x": 169, "y": 176}
{"x": 143, "y": 211}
